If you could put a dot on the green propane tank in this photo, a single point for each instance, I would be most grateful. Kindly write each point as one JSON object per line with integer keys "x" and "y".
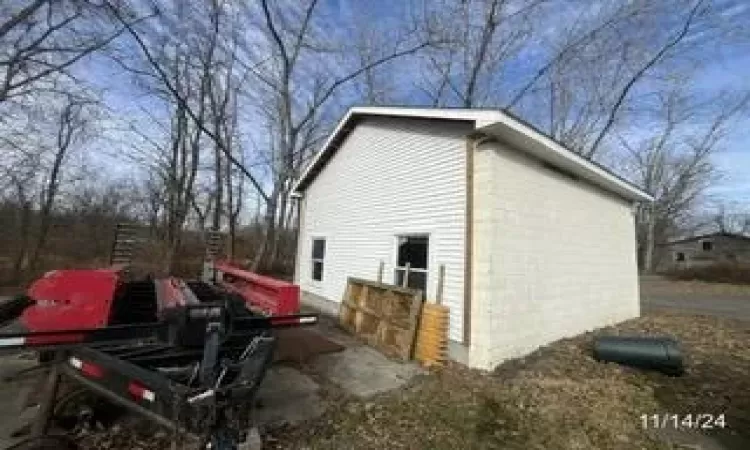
{"x": 653, "y": 353}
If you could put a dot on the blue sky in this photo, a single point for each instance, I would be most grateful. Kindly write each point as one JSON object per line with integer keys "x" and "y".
{"x": 727, "y": 71}
{"x": 725, "y": 67}
{"x": 733, "y": 159}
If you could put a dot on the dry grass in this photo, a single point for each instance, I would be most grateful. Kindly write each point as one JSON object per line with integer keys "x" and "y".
{"x": 717, "y": 273}
{"x": 558, "y": 397}
{"x": 662, "y": 286}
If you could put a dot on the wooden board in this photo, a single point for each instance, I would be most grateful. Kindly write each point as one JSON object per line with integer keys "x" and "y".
{"x": 384, "y": 315}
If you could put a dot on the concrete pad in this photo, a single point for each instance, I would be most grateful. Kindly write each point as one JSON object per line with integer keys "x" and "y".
{"x": 287, "y": 396}
{"x": 12, "y": 414}
{"x": 319, "y": 304}
{"x": 363, "y": 371}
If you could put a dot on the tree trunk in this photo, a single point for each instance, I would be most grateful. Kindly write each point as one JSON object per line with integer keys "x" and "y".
{"x": 262, "y": 256}
{"x": 231, "y": 250}
{"x": 216, "y": 223}
{"x": 64, "y": 138}
{"x": 169, "y": 257}
{"x": 273, "y": 255}
{"x": 290, "y": 216}
{"x": 231, "y": 216}
{"x": 648, "y": 251}
{"x": 22, "y": 257}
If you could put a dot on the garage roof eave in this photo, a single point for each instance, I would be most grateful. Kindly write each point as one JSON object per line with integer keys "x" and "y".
{"x": 531, "y": 141}
{"x": 491, "y": 122}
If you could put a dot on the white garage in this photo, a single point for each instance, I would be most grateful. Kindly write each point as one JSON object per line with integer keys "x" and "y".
{"x": 536, "y": 242}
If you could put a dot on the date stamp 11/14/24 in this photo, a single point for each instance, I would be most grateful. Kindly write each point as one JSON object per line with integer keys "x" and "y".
{"x": 684, "y": 421}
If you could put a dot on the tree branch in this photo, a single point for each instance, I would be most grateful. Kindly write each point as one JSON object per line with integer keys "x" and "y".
{"x": 22, "y": 15}
{"x": 183, "y": 102}
{"x": 559, "y": 56}
{"x": 336, "y": 84}
{"x": 637, "y": 76}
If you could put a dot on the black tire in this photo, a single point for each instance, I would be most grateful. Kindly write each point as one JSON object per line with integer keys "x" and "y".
{"x": 46, "y": 356}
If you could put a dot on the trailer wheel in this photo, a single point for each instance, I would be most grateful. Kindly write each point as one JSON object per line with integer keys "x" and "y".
{"x": 45, "y": 356}
{"x": 81, "y": 410}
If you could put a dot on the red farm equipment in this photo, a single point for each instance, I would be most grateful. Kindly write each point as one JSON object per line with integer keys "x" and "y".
{"x": 189, "y": 355}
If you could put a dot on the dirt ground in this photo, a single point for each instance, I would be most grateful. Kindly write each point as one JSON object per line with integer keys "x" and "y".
{"x": 313, "y": 368}
{"x": 716, "y": 299}
{"x": 556, "y": 398}
{"x": 657, "y": 285}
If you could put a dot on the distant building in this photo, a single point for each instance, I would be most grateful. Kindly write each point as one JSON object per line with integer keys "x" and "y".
{"x": 705, "y": 250}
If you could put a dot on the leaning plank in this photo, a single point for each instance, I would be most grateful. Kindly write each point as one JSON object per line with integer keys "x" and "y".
{"x": 383, "y": 315}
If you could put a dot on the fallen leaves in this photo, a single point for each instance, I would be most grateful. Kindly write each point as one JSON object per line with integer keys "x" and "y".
{"x": 557, "y": 397}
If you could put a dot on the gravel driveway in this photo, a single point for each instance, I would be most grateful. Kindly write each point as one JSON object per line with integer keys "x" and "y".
{"x": 725, "y": 301}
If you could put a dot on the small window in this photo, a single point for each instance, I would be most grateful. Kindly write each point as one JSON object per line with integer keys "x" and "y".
{"x": 707, "y": 246}
{"x": 679, "y": 256}
{"x": 318, "y": 255}
{"x": 412, "y": 251}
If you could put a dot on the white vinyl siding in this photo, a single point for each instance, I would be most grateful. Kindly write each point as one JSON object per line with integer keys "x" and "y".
{"x": 389, "y": 178}
{"x": 552, "y": 256}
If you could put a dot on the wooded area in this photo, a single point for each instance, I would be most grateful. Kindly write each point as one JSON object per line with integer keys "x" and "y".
{"x": 184, "y": 116}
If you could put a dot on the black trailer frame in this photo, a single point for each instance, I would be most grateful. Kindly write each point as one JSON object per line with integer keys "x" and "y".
{"x": 196, "y": 372}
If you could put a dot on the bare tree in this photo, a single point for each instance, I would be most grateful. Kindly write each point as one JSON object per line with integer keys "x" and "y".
{"x": 172, "y": 159}
{"x": 42, "y": 39}
{"x": 296, "y": 89}
{"x": 606, "y": 63}
{"x": 72, "y": 124}
{"x": 729, "y": 218}
{"x": 189, "y": 62}
{"x": 235, "y": 202}
{"x": 153, "y": 203}
{"x": 150, "y": 42}
{"x": 275, "y": 50}
{"x": 20, "y": 182}
{"x": 476, "y": 39}
{"x": 36, "y": 163}
{"x": 239, "y": 95}
{"x": 675, "y": 163}
{"x": 638, "y": 74}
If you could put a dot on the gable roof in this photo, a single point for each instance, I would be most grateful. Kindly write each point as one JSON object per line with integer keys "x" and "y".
{"x": 491, "y": 122}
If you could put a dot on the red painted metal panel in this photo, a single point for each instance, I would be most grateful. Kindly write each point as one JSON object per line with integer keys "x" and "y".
{"x": 92, "y": 370}
{"x": 275, "y": 297}
{"x": 54, "y": 339}
{"x": 71, "y": 299}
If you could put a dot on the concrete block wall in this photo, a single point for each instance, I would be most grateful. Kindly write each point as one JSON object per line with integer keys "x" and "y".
{"x": 552, "y": 256}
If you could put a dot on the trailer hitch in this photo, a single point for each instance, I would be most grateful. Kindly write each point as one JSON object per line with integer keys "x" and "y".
{"x": 248, "y": 370}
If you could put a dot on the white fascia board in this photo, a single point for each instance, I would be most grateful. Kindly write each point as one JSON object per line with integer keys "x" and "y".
{"x": 527, "y": 139}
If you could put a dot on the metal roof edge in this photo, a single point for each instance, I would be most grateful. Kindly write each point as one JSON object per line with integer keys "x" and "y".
{"x": 554, "y": 153}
